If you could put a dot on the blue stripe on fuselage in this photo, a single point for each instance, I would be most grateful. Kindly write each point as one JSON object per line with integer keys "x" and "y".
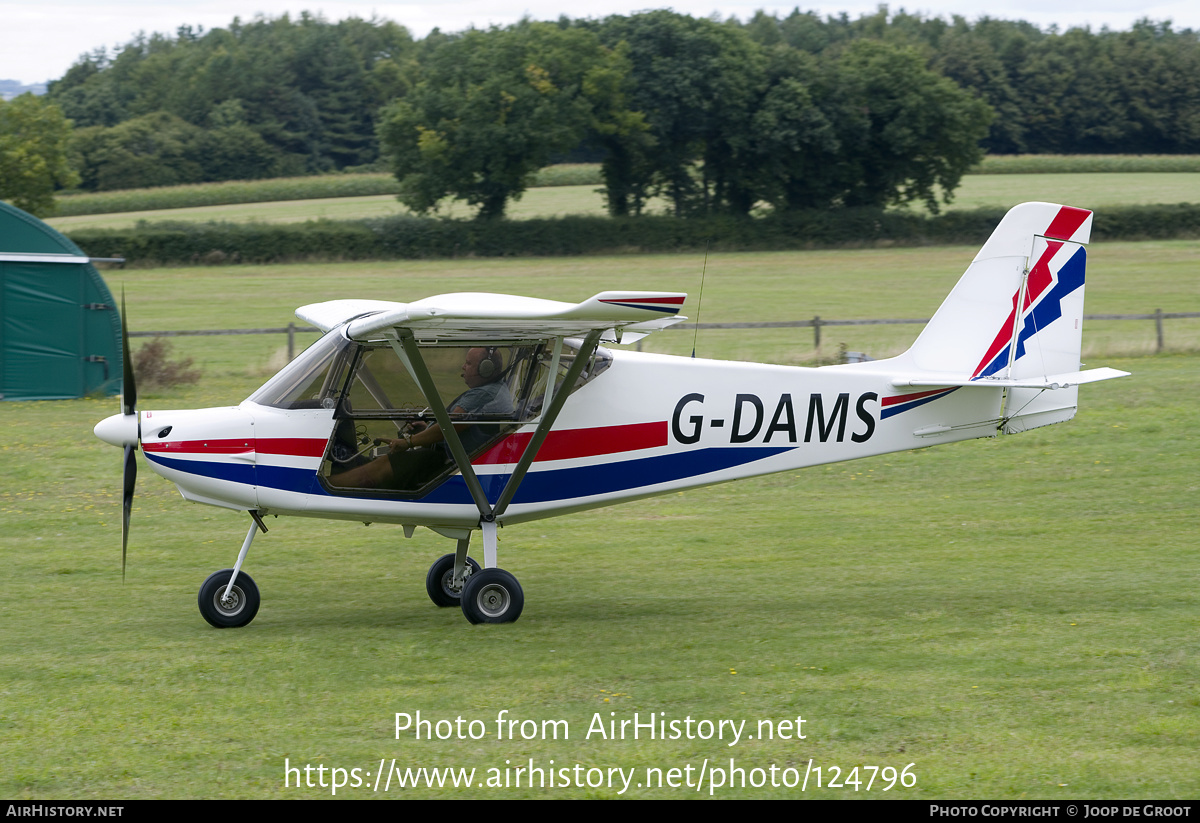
{"x": 537, "y": 487}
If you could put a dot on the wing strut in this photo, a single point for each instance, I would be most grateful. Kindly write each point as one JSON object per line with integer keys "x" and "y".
{"x": 549, "y": 415}
{"x": 487, "y": 512}
{"x": 440, "y": 413}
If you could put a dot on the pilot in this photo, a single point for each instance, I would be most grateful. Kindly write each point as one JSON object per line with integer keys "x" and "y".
{"x": 421, "y": 452}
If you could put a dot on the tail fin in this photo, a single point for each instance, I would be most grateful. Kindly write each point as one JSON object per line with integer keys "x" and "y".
{"x": 1015, "y": 319}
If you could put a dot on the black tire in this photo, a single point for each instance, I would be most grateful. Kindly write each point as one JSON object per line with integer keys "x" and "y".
{"x": 492, "y": 596}
{"x": 245, "y": 600}
{"x": 437, "y": 582}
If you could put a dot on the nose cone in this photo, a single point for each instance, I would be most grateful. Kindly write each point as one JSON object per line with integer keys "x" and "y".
{"x": 118, "y": 430}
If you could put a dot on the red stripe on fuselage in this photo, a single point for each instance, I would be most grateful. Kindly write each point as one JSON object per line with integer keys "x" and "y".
{"x": 904, "y": 398}
{"x": 563, "y": 445}
{"x": 291, "y": 446}
{"x": 237, "y": 445}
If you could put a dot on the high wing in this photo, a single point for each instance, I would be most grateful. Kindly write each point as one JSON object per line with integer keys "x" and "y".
{"x": 333, "y": 313}
{"x": 477, "y": 316}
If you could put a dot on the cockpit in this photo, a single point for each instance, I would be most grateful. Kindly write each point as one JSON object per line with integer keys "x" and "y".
{"x": 385, "y": 435}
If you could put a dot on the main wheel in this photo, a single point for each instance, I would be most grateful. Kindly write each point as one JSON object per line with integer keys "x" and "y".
{"x": 235, "y": 612}
{"x": 492, "y": 596}
{"x": 439, "y": 583}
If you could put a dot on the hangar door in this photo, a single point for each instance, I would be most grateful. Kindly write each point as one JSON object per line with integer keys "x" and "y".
{"x": 60, "y": 334}
{"x": 45, "y": 339}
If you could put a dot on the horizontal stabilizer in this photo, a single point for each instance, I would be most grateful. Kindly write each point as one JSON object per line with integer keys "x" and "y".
{"x": 1053, "y": 381}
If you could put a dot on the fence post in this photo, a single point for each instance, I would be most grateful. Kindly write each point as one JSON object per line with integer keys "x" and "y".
{"x": 291, "y": 341}
{"x": 1159, "y": 329}
{"x": 816, "y": 324}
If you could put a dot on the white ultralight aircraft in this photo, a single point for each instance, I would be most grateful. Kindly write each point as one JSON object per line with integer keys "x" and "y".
{"x": 466, "y": 412}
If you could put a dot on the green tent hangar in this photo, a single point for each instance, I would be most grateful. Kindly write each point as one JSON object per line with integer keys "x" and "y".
{"x": 60, "y": 331}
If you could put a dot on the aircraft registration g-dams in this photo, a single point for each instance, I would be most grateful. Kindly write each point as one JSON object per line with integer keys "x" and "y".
{"x": 466, "y": 412}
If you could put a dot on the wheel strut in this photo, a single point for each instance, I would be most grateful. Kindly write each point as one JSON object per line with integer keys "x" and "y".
{"x": 226, "y": 597}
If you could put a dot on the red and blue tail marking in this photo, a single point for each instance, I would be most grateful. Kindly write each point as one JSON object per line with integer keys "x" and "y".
{"x": 1045, "y": 289}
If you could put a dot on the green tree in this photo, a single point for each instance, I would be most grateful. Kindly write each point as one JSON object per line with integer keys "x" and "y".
{"x": 905, "y": 132}
{"x": 154, "y": 150}
{"x": 696, "y": 82}
{"x": 491, "y": 108}
{"x": 308, "y": 89}
{"x": 34, "y": 138}
{"x": 796, "y": 147}
{"x": 971, "y": 59}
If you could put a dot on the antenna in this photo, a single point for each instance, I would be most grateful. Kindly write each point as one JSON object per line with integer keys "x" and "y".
{"x": 700, "y": 298}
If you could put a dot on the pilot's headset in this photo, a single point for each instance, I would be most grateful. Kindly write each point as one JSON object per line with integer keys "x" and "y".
{"x": 492, "y": 364}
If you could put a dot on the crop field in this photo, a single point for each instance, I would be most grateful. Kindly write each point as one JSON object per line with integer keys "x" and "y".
{"x": 1091, "y": 191}
{"x": 1009, "y": 618}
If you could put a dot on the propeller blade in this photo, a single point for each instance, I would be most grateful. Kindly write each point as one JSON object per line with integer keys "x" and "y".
{"x": 128, "y": 386}
{"x": 128, "y": 407}
{"x": 130, "y": 479}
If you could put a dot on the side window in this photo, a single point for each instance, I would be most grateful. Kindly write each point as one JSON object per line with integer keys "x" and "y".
{"x": 386, "y": 438}
{"x": 600, "y": 361}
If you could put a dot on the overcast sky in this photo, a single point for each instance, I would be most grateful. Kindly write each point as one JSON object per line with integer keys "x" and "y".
{"x": 40, "y": 39}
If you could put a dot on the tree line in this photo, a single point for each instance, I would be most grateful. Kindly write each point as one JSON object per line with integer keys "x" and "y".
{"x": 796, "y": 112}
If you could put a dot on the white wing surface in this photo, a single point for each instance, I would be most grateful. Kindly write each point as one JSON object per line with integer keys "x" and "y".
{"x": 482, "y": 316}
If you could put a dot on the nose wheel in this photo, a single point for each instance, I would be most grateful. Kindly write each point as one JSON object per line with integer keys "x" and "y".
{"x": 232, "y": 609}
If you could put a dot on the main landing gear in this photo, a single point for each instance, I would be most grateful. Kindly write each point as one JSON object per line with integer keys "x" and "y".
{"x": 488, "y": 595}
{"x": 440, "y": 582}
{"x": 229, "y": 599}
{"x": 492, "y": 596}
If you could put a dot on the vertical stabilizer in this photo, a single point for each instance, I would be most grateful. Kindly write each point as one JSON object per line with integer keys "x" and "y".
{"x": 1017, "y": 313}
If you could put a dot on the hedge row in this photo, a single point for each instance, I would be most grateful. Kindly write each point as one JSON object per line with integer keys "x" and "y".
{"x": 412, "y": 237}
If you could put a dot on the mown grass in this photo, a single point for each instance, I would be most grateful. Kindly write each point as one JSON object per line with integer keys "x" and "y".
{"x": 1015, "y": 617}
{"x": 1092, "y": 191}
{"x": 1089, "y": 164}
{"x": 1123, "y": 278}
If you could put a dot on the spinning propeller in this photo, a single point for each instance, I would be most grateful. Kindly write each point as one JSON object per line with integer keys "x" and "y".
{"x": 125, "y": 430}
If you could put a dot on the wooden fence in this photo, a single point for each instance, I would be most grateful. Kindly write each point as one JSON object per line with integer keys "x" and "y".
{"x": 816, "y": 324}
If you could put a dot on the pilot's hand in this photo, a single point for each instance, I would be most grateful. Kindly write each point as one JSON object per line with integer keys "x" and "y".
{"x": 396, "y": 445}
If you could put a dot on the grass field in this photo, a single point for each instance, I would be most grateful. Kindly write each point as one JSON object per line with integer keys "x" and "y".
{"x": 1016, "y": 618}
{"x": 1093, "y": 191}
{"x": 1123, "y": 278}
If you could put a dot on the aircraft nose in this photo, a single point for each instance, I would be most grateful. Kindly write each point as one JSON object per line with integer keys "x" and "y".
{"x": 118, "y": 430}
